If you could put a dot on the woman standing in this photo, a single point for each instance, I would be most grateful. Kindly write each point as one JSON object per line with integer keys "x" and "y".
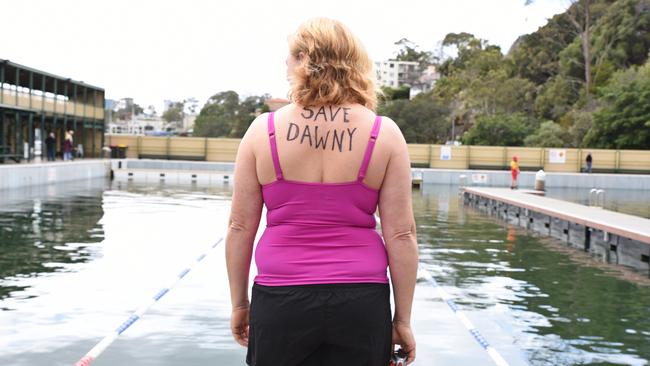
{"x": 67, "y": 145}
{"x": 322, "y": 166}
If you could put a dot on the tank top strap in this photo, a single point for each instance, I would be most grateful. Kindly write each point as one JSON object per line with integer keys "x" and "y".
{"x": 369, "y": 148}
{"x": 274, "y": 147}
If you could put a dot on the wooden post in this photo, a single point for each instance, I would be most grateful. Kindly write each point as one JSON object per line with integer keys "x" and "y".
{"x": 103, "y": 120}
{"x": 65, "y": 125}
{"x": 74, "y": 107}
{"x": 85, "y": 101}
{"x": 31, "y": 87}
{"x": 65, "y": 94}
{"x": 17, "y": 84}
{"x": 579, "y": 160}
{"x": 94, "y": 122}
{"x": 18, "y": 138}
{"x": 56, "y": 145}
{"x": 3, "y": 143}
{"x": 2, "y": 81}
{"x": 83, "y": 134}
{"x": 30, "y": 135}
{"x": 56, "y": 91}
{"x": 43, "y": 95}
{"x": 205, "y": 149}
{"x": 43, "y": 133}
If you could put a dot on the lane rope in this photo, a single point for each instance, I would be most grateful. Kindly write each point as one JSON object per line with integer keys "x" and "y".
{"x": 110, "y": 338}
{"x": 476, "y": 335}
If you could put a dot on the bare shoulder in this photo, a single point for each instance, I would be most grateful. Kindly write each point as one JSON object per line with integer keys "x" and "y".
{"x": 255, "y": 134}
{"x": 391, "y": 131}
{"x": 257, "y": 127}
{"x": 286, "y": 109}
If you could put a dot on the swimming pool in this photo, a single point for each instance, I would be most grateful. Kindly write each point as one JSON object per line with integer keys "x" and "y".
{"x": 77, "y": 259}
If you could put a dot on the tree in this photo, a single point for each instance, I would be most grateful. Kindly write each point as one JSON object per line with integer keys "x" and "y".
{"x": 536, "y": 56}
{"x": 479, "y": 81}
{"x": 408, "y": 51}
{"x": 246, "y": 114}
{"x": 580, "y": 16}
{"x": 422, "y": 120}
{"x": 549, "y": 134}
{"x": 402, "y": 92}
{"x": 579, "y": 123}
{"x": 556, "y": 98}
{"x": 460, "y": 40}
{"x": 129, "y": 111}
{"x": 217, "y": 115}
{"x": 624, "y": 119}
{"x": 191, "y": 105}
{"x": 175, "y": 113}
{"x": 224, "y": 115}
{"x": 621, "y": 38}
{"x": 499, "y": 130}
{"x": 466, "y": 47}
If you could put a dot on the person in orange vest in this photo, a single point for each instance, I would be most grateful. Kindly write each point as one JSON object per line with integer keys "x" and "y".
{"x": 514, "y": 170}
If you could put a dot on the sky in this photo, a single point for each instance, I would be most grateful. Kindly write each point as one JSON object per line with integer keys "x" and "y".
{"x": 172, "y": 50}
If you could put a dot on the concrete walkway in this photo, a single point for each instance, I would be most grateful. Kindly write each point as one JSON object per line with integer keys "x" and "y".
{"x": 632, "y": 227}
{"x": 30, "y": 174}
{"x": 49, "y": 172}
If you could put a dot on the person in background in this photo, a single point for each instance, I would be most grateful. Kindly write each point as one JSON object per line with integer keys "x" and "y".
{"x": 50, "y": 144}
{"x": 514, "y": 171}
{"x": 67, "y": 146}
{"x": 589, "y": 160}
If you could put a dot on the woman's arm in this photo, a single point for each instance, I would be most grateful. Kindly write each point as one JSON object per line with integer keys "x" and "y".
{"x": 398, "y": 229}
{"x": 244, "y": 220}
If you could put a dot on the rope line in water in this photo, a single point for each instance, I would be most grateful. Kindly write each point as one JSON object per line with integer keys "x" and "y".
{"x": 478, "y": 337}
{"x": 104, "y": 343}
{"x": 109, "y": 339}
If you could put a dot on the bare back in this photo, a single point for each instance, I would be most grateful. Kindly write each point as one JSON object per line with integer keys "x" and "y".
{"x": 323, "y": 145}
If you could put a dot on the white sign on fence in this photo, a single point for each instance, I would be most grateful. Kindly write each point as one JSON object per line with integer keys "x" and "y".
{"x": 557, "y": 156}
{"x": 445, "y": 152}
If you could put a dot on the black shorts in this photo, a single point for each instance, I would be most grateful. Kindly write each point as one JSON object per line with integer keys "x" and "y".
{"x": 314, "y": 325}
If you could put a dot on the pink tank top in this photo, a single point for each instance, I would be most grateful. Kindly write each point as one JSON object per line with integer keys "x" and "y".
{"x": 318, "y": 233}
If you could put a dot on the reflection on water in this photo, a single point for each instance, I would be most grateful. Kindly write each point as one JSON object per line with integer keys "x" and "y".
{"x": 107, "y": 249}
{"x": 558, "y": 311}
{"x": 75, "y": 261}
{"x": 47, "y": 233}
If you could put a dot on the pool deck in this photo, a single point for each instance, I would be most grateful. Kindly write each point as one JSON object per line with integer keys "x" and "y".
{"x": 629, "y": 226}
{"x": 45, "y": 173}
{"x": 178, "y": 171}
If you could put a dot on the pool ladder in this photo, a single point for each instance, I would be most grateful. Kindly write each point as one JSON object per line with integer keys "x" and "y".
{"x": 597, "y": 198}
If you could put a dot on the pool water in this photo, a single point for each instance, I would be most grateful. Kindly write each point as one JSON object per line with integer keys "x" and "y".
{"x": 76, "y": 260}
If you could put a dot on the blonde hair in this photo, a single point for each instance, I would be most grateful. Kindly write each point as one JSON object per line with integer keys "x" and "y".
{"x": 333, "y": 66}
